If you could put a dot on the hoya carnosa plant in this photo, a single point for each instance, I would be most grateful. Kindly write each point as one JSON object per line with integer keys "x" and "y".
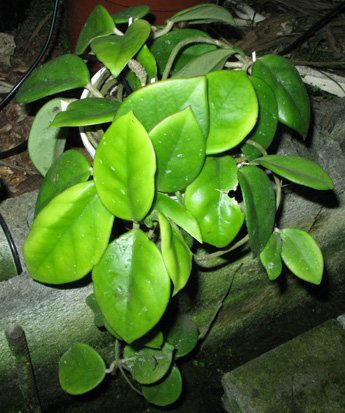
{"x": 175, "y": 130}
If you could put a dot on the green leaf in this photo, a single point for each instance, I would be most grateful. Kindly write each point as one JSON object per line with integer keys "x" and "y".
{"x": 153, "y": 339}
{"x": 148, "y": 62}
{"x": 89, "y": 111}
{"x": 81, "y": 369}
{"x": 299, "y": 170}
{"x": 115, "y": 51}
{"x": 166, "y": 98}
{"x": 270, "y": 257}
{"x": 69, "y": 236}
{"x": 45, "y": 144}
{"x": 233, "y": 109}
{"x": 204, "y": 12}
{"x": 178, "y": 214}
{"x": 302, "y": 255}
{"x": 135, "y": 12}
{"x": 180, "y": 150}
{"x": 164, "y": 45}
{"x": 265, "y": 129}
{"x": 165, "y": 392}
{"x": 287, "y": 85}
{"x": 148, "y": 365}
{"x": 219, "y": 216}
{"x": 259, "y": 201}
{"x": 98, "y": 24}
{"x": 183, "y": 334}
{"x": 131, "y": 285}
{"x": 124, "y": 169}
{"x": 70, "y": 168}
{"x": 92, "y": 303}
{"x": 63, "y": 73}
{"x": 176, "y": 254}
{"x": 205, "y": 63}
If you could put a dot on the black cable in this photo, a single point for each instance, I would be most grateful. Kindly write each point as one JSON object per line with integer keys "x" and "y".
{"x": 315, "y": 27}
{"x": 12, "y": 245}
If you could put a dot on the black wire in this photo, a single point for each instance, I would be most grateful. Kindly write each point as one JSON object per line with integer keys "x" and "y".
{"x": 12, "y": 245}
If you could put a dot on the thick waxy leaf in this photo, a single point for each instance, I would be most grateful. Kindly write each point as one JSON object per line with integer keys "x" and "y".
{"x": 205, "y": 63}
{"x": 135, "y": 12}
{"x": 46, "y": 144}
{"x": 182, "y": 334}
{"x": 204, "y": 12}
{"x": 259, "y": 201}
{"x": 92, "y": 303}
{"x": 81, "y": 369}
{"x": 163, "y": 46}
{"x": 131, "y": 285}
{"x": 124, "y": 169}
{"x": 115, "y": 51}
{"x": 287, "y": 85}
{"x": 153, "y": 339}
{"x": 148, "y": 365}
{"x": 167, "y": 391}
{"x": 148, "y": 71}
{"x": 90, "y": 111}
{"x": 69, "y": 236}
{"x": 219, "y": 216}
{"x": 265, "y": 129}
{"x": 167, "y": 98}
{"x": 178, "y": 214}
{"x": 180, "y": 150}
{"x": 270, "y": 257}
{"x": 63, "y": 73}
{"x": 233, "y": 109}
{"x": 70, "y": 168}
{"x": 176, "y": 254}
{"x": 98, "y": 24}
{"x": 302, "y": 255}
{"x": 299, "y": 170}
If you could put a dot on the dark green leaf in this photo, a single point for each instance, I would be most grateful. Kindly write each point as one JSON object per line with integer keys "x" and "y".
{"x": 287, "y": 85}
{"x": 81, "y": 369}
{"x": 135, "y": 12}
{"x": 259, "y": 201}
{"x": 299, "y": 170}
{"x": 182, "y": 334}
{"x": 131, "y": 285}
{"x": 92, "y": 303}
{"x": 204, "y": 12}
{"x": 63, "y": 73}
{"x": 69, "y": 236}
{"x": 270, "y": 257}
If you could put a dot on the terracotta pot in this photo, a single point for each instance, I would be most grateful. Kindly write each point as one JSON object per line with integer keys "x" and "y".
{"x": 77, "y": 12}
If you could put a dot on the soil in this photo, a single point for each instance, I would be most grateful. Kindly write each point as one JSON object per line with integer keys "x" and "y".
{"x": 285, "y": 22}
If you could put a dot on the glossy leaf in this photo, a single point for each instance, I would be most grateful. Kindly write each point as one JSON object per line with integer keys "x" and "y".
{"x": 302, "y": 255}
{"x": 148, "y": 365}
{"x": 153, "y": 339}
{"x": 92, "y": 303}
{"x": 233, "y": 109}
{"x": 69, "y": 169}
{"x": 166, "y": 98}
{"x": 131, "y": 285}
{"x": 287, "y": 85}
{"x": 164, "y": 45}
{"x": 183, "y": 334}
{"x": 69, "y": 236}
{"x": 178, "y": 214}
{"x": 148, "y": 62}
{"x": 179, "y": 145}
{"x": 124, "y": 169}
{"x": 81, "y": 369}
{"x": 45, "y": 144}
{"x": 115, "y": 51}
{"x": 265, "y": 129}
{"x": 66, "y": 72}
{"x": 98, "y": 24}
{"x": 205, "y": 63}
{"x": 135, "y": 12}
{"x": 259, "y": 201}
{"x": 165, "y": 392}
{"x": 89, "y": 111}
{"x": 204, "y": 12}
{"x": 176, "y": 254}
{"x": 219, "y": 216}
{"x": 299, "y": 170}
{"x": 270, "y": 257}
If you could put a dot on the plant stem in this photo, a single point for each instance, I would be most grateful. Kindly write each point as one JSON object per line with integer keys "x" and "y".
{"x": 257, "y": 146}
{"x": 163, "y": 31}
{"x": 221, "y": 252}
{"x": 94, "y": 91}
